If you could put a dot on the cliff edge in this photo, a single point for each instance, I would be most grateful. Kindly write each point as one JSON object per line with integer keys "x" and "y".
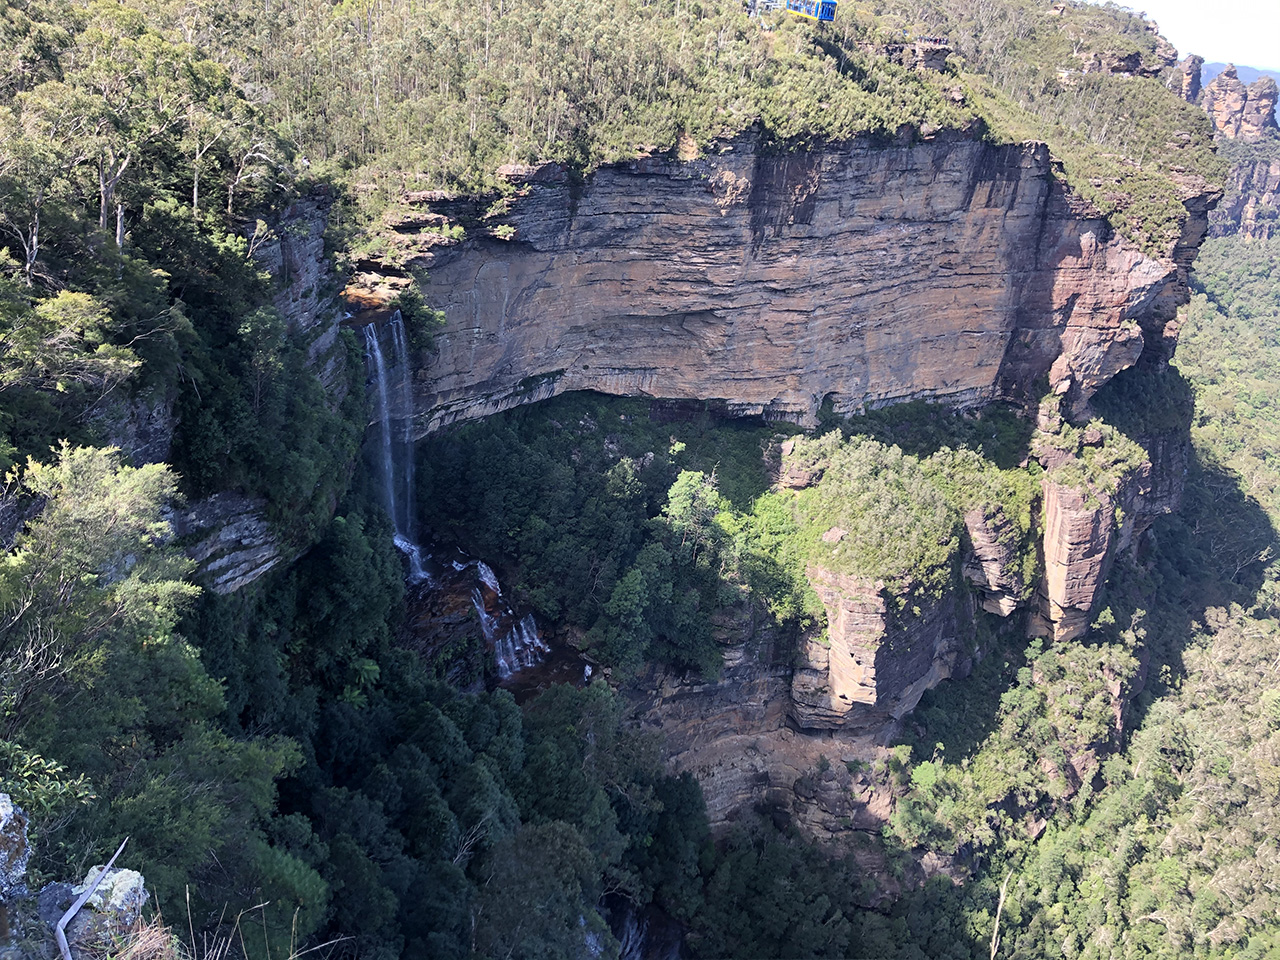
{"x": 859, "y": 273}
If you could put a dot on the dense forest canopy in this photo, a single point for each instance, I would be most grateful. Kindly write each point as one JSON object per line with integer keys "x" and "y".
{"x": 276, "y": 753}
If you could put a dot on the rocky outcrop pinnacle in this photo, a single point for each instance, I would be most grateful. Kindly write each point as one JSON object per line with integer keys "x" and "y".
{"x": 1240, "y": 112}
{"x": 993, "y": 564}
{"x": 1185, "y": 80}
{"x": 861, "y": 272}
{"x": 872, "y": 666}
{"x": 1089, "y": 519}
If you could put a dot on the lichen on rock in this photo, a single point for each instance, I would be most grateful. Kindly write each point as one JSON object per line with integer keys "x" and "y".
{"x": 15, "y": 850}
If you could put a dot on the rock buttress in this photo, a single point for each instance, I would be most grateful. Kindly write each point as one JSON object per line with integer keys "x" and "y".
{"x": 872, "y": 667}
{"x": 1239, "y": 111}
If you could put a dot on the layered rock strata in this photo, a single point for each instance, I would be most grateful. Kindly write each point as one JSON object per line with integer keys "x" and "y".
{"x": 1084, "y": 529}
{"x": 873, "y": 664}
{"x": 993, "y": 566}
{"x": 227, "y": 536}
{"x": 734, "y": 736}
{"x": 1240, "y": 112}
{"x": 1251, "y": 206}
{"x": 863, "y": 273}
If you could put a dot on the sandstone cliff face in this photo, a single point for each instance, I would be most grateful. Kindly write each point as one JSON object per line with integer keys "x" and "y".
{"x": 867, "y": 274}
{"x": 872, "y": 666}
{"x": 734, "y": 736}
{"x": 228, "y": 537}
{"x": 1186, "y": 81}
{"x": 1251, "y": 206}
{"x": 992, "y": 565}
{"x": 305, "y": 295}
{"x": 1240, "y": 112}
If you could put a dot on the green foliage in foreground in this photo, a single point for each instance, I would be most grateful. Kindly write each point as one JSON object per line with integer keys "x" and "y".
{"x": 128, "y": 282}
{"x": 407, "y": 813}
{"x": 411, "y": 819}
{"x": 115, "y": 714}
{"x": 445, "y": 825}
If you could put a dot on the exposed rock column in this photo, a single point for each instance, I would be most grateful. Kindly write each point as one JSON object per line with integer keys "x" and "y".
{"x": 1259, "y": 110}
{"x": 1186, "y": 81}
{"x": 1237, "y": 111}
{"x": 1084, "y": 528}
{"x": 993, "y": 566}
{"x": 869, "y": 656}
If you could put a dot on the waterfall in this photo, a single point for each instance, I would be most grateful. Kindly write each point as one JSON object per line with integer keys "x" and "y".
{"x": 515, "y": 641}
{"x": 393, "y": 406}
{"x": 403, "y": 381}
{"x": 516, "y": 644}
{"x": 488, "y": 577}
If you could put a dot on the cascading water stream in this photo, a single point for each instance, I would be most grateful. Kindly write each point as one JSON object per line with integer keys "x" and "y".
{"x": 517, "y": 646}
{"x": 402, "y": 382}
{"x": 391, "y": 385}
{"x": 515, "y": 641}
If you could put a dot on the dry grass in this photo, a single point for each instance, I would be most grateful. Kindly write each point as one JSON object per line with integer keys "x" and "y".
{"x": 148, "y": 940}
{"x": 154, "y": 940}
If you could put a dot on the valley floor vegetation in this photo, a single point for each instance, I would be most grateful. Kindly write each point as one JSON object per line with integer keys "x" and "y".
{"x": 279, "y": 746}
{"x": 1140, "y": 834}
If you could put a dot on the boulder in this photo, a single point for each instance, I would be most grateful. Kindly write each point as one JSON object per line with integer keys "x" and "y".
{"x": 112, "y": 910}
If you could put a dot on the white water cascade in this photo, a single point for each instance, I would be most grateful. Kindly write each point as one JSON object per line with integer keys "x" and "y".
{"x": 515, "y": 641}
{"x": 519, "y": 645}
{"x": 393, "y": 406}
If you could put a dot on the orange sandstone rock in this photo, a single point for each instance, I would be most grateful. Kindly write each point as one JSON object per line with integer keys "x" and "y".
{"x": 861, "y": 272}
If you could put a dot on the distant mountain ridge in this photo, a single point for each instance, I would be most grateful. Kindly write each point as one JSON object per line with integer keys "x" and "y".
{"x": 1246, "y": 74}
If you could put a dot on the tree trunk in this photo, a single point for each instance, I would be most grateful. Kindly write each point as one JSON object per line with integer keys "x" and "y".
{"x": 103, "y": 195}
{"x": 31, "y": 247}
{"x": 107, "y": 188}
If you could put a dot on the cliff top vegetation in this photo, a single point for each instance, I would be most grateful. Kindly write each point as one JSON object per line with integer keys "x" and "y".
{"x": 395, "y": 97}
{"x": 398, "y": 96}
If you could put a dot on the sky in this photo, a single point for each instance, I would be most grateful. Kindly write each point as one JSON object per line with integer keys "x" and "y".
{"x": 1244, "y": 32}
